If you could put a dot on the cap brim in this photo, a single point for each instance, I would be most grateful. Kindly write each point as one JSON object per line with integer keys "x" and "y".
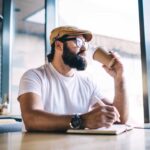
{"x": 88, "y": 37}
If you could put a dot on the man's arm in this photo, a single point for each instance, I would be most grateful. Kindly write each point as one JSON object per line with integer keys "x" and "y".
{"x": 36, "y": 119}
{"x": 120, "y": 99}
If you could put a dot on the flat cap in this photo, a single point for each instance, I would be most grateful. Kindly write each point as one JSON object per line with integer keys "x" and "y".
{"x": 69, "y": 30}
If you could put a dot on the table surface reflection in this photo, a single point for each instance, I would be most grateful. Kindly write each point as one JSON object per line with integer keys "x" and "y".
{"x": 131, "y": 140}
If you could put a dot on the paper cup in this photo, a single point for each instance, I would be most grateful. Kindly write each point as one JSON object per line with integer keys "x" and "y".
{"x": 103, "y": 57}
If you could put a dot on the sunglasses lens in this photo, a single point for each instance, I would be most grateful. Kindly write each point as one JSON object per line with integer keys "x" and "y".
{"x": 81, "y": 43}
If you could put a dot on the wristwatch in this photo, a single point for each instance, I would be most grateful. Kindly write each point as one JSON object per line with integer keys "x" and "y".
{"x": 76, "y": 122}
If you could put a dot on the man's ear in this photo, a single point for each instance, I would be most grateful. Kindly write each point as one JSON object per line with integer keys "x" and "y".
{"x": 59, "y": 45}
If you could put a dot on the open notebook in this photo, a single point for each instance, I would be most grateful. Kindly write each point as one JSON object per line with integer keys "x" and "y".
{"x": 113, "y": 130}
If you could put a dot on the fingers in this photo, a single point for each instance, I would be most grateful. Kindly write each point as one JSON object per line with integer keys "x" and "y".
{"x": 116, "y": 57}
{"x": 107, "y": 121}
{"x": 102, "y": 116}
{"x": 113, "y": 109}
{"x": 111, "y": 112}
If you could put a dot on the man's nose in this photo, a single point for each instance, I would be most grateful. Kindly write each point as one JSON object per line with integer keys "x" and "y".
{"x": 83, "y": 48}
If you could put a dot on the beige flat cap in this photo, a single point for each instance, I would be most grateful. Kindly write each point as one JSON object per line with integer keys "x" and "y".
{"x": 69, "y": 30}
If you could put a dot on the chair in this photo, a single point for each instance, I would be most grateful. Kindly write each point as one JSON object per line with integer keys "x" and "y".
{"x": 12, "y": 127}
{"x": 10, "y": 124}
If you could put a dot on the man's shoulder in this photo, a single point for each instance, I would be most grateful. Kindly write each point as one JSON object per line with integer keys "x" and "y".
{"x": 39, "y": 71}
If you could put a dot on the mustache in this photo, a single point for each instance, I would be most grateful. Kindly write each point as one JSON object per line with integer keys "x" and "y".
{"x": 81, "y": 52}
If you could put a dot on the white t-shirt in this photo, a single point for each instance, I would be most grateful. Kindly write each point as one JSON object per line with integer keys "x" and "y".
{"x": 60, "y": 94}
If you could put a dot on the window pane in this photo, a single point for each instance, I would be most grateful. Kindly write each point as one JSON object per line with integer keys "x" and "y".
{"x": 28, "y": 46}
{"x": 115, "y": 26}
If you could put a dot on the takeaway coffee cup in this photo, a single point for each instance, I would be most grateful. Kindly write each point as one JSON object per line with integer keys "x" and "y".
{"x": 103, "y": 57}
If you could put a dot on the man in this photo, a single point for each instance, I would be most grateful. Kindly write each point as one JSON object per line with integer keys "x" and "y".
{"x": 56, "y": 96}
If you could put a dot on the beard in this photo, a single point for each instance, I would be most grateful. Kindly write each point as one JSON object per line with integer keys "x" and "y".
{"x": 73, "y": 60}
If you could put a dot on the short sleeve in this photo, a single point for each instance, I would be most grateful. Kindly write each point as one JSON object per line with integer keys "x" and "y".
{"x": 30, "y": 82}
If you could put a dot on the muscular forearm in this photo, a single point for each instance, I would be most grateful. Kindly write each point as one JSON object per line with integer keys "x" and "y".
{"x": 120, "y": 100}
{"x": 38, "y": 120}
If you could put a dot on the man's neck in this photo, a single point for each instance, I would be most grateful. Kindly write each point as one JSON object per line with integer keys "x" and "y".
{"x": 63, "y": 69}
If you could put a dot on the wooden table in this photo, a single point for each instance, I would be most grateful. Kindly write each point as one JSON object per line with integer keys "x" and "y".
{"x": 137, "y": 139}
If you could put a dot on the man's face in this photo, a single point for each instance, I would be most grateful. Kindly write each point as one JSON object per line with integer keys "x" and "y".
{"x": 73, "y": 56}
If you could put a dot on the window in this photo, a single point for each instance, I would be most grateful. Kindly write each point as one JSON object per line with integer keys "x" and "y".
{"x": 28, "y": 49}
{"x": 115, "y": 26}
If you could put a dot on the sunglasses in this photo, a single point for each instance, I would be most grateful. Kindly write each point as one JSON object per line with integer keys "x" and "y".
{"x": 78, "y": 41}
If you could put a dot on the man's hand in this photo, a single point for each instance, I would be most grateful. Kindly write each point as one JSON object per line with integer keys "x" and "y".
{"x": 116, "y": 70}
{"x": 101, "y": 116}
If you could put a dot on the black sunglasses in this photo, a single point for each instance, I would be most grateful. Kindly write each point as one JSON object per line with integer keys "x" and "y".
{"x": 79, "y": 42}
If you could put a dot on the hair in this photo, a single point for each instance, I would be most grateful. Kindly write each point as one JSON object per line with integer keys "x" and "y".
{"x": 50, "y": 56}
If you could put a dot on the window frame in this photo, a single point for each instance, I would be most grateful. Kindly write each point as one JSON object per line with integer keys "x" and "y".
{"x": 145, "y": 40}
{"x": 6, "y": 49}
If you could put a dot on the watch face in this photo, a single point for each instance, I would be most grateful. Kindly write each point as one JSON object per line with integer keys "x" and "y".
{"x": 76, "y": 122}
